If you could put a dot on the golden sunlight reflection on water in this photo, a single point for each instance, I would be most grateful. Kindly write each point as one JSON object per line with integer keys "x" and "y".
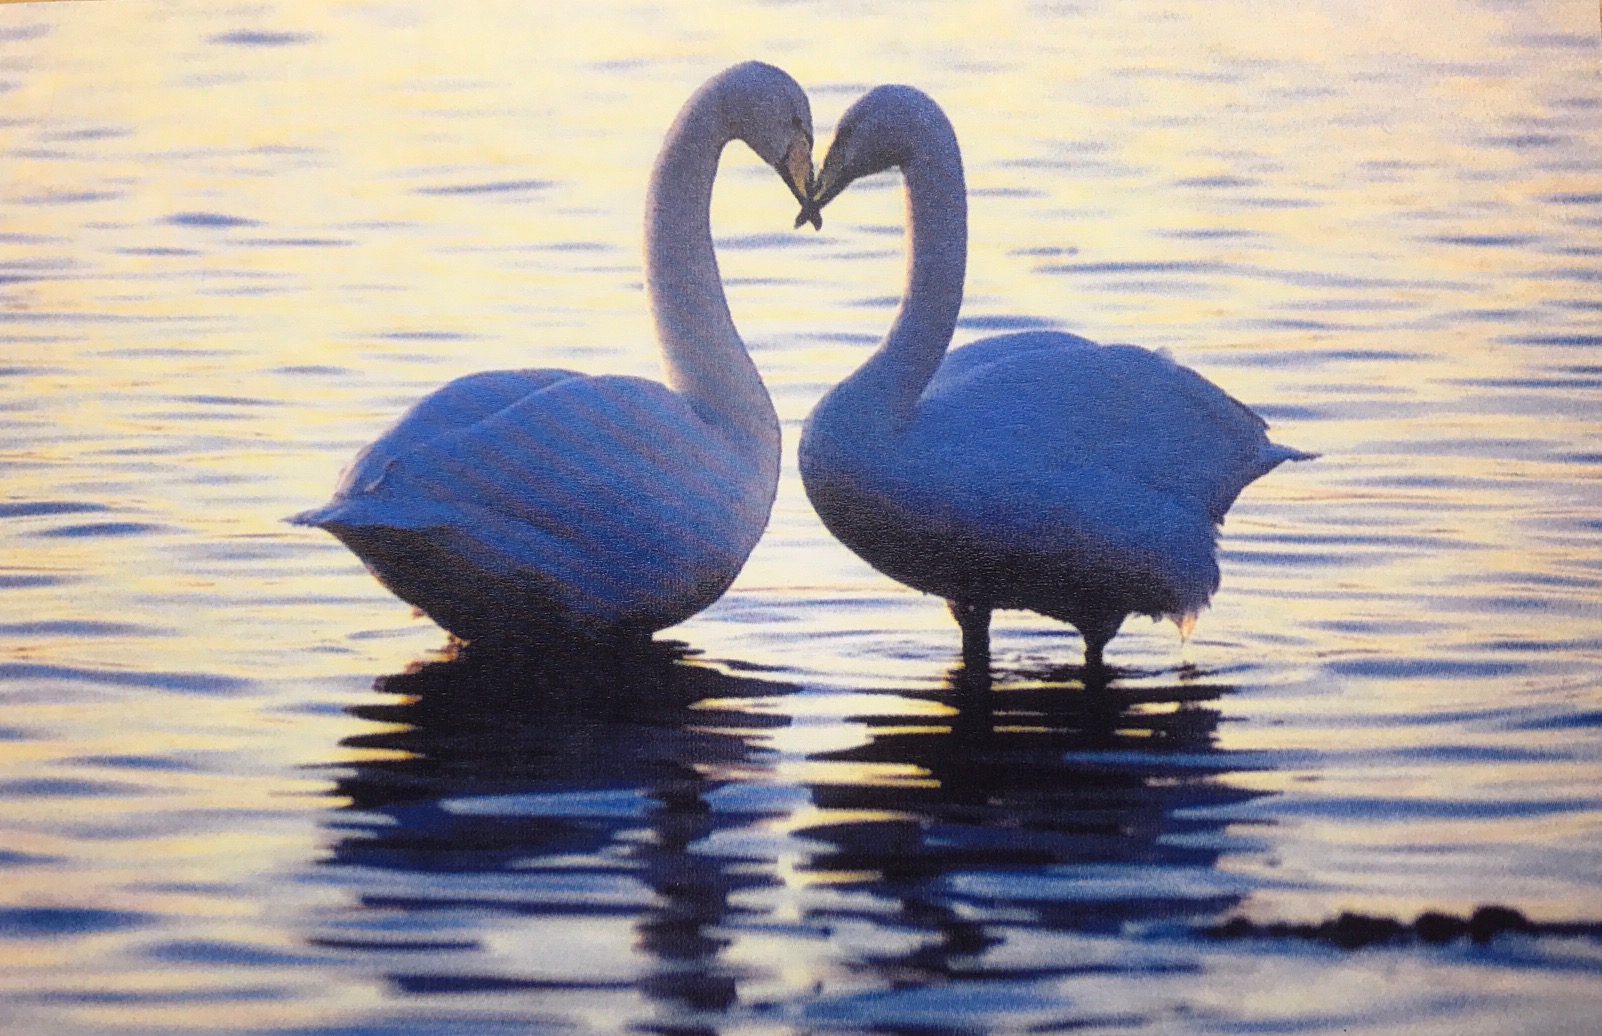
{"x": 237, "y": 242}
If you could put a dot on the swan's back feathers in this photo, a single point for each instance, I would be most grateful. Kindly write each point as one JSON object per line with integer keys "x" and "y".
{"x": 1059, "y": 399}
{"x": 1007, "y": 348}
{"x": 453, "y": 406}
{"x": 610, "y": 493}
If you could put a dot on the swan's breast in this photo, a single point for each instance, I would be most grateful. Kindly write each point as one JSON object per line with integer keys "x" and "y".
{"x": 998, "y": 493}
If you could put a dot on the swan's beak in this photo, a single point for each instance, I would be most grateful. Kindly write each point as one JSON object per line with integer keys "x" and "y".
{"x": 826, "y": 191}
{"x": 797, "y": 173}
{"x": 821, "y": 194}
{"x": 809, "y": 210}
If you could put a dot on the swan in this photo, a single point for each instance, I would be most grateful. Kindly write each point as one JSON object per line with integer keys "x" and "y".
{"x": 1037, "y": 471}
{"x": 549, "y": 505}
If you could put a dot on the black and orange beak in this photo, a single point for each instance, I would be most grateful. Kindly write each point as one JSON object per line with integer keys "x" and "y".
{"x": 797, "y": 174}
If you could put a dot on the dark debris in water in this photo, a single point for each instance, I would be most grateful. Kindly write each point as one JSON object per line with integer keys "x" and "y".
{"x": 1352, "y": 931}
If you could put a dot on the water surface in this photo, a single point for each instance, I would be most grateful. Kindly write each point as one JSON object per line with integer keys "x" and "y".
{"x": 243, "y": 791}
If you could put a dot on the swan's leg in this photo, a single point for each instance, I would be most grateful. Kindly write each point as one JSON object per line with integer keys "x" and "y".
{"x": 975, "y": 622}
{"x": 1097, "y": 632}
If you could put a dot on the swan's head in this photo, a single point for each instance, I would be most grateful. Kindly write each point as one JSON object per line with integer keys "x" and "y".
{"x": 768, "y": 110}
{"x": 888, "y": 126}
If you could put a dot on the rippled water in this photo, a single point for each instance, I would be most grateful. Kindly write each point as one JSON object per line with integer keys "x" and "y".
{"x": 241, "y": 792}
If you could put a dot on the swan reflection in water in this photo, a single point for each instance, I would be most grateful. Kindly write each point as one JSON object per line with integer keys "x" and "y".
{"x": 642, "y": 845}
{"x": 516, "y": 795}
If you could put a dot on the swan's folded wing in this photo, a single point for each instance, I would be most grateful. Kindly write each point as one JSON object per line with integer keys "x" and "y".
{"x": 976, "y": 356}
{"x": 1133, "y": 412}
{"x": 454, "y": 406}
{"x": 608, "y": 482}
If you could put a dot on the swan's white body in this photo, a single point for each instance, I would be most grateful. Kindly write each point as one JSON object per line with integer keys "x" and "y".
{"x": 1038, "y": 471}
{"x": 548, "y": 504}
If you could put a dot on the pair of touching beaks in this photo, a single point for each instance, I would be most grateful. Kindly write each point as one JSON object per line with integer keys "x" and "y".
{"x": 814, "y": 201}
{"x": 811, "y": 207}
{"x": 806, "y": 184}
{"x": 795, "y": 169}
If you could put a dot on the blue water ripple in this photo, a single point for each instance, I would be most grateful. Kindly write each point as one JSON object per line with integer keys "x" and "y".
{"x": 217, "y": 951}
{"x": 33, "y": 508}
{"x": 491, "y": 187}
{"x": 95, "y": 529}
{"x": 259, "y": 38}
{"x": 619, "y": 803}
{"x": 53, "y": 922}
{"x": 189, "y": 683}
{"x": 67, "y": 787}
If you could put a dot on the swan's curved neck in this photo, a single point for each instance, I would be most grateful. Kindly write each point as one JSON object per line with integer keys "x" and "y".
{"x": 937, "y": 258}
{"x": 705, "y": 357}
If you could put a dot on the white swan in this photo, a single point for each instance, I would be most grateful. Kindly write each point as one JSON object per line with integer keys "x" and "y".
{"x": 1039, "y": 470}
{"x": 552, "y": 505}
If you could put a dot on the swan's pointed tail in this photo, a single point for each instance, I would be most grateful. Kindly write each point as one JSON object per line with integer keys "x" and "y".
{"x": 308, "y": 518}
{"x": 344, "y": 511}
{"x": 314, "y": 517}
{"x": 1269, "y": 457}
{"x": 367, "y": 511}
{"x": 1272, "y": 457}
{"x": 1278, "y": 454}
